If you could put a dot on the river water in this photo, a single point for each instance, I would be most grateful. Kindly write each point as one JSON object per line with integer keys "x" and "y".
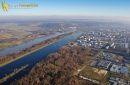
{"x": 34, "y": 58}
{"x": 29, "y": 44}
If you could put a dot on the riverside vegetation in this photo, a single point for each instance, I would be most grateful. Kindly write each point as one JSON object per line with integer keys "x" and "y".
{"x": 60, "y": 68}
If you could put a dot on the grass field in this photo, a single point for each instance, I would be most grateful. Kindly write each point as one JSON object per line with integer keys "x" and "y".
{"x": 94, "y": 73}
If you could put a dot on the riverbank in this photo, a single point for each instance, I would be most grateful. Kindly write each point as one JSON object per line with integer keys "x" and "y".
{"x": 3, "y": 64}
{"x": 13, "y": 57}
{"x": 12, "y": 74}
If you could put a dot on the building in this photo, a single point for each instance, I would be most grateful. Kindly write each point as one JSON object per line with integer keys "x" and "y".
{"x": 119, "y": 69}
{"x": 103, "y": 64}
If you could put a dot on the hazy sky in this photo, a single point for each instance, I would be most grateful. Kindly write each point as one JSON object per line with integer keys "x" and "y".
{"x": 72, "y": 8}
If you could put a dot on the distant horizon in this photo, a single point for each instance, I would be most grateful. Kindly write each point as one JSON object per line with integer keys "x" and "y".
{"x": 73, "y": 16}
{"x": 124, "y": 18}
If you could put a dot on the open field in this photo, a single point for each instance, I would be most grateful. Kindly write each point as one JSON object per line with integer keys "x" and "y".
{"x": 12, "y": 34}
{"x": 94, "y": 73}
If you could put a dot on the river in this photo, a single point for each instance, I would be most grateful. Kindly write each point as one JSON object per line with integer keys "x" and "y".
{"x": 34, "y": 58}
{"x": 29, "y": 44}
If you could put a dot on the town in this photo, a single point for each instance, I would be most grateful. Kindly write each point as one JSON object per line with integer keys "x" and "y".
{"x": 109, "y": 65}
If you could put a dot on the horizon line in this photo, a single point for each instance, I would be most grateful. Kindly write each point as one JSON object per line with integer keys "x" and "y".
{"x": 73, "y": 16}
